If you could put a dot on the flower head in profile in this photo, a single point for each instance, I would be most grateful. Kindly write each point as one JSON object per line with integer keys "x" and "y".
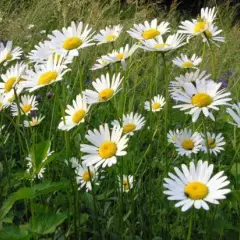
{"x": 130, "y": 123}
{"x": 202, "y": 96}
{"x": 160, "y": 45}
{"x": 212, "y": 35}
{"x": 75, "y": 113}
{"x": 187, "y": 142}
{"x": 214, "y": 142}
{"x": 120, "y": 55}
{"x": 72, "y": 38}
{"x": 8, "y": 53}
{"x": 184, "y": 62}
{"x": 106, "y": 146}
{"x": 234, "y": 112}
{"x": 100, "y": 63}
{"x": 109, "y": 34}
{"x": 148, "y": 30}
{"x": 34, "y": 121}
{"x": 27, "y": 104}
{"x": 126, "y": 183}
{"x": 45, "y": 74}
{"x": 156, "y": 104}
{"x": 194, "y": 186}
{"x": 104, "y": 88}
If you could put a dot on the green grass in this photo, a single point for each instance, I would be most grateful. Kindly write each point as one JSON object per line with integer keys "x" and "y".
{"x": 34, "y": 210}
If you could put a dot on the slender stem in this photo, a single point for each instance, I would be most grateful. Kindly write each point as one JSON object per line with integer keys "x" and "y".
{"x": 203, "y": 55}
{"x": 121, "y": 196}
{"x": 190, "y": 225}
{"x": 206, "y": 138}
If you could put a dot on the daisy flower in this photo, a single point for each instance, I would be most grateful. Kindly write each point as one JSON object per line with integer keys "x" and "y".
{"x": 187, "y": 142}
{"x": 149, "y": 30}
{"x": 126, "y": 184}
{"x": 234, "y": 112}
{"x": 107, "y": 146}
{"x": 33, "y": 122}
{"x": 73, "y": 161}
{"x": 200, "y": 25}
{"x": 189, "y": 77}
{"x": 173, "y": 135}
{"x": 156, "y": 104}
{"x": 71, "y": 39}
{"x": 8, "y": 54}
{"x": 184, "y": 62}
{"x": 121, "y": 55}
{"x": 130, "y": 123}
{"x": 211, "y": 34}
{"x": 84, "y": 176}
{"x": 195, "y": 186}
{"x": 160, "y": 45}
{"x": 202, "y": 96}
{"x": 9, "y": 97}
{"x": 45, "y": 74}
{"x": 27, "y": 104}
{"x": 100, "y": 63}
{"x": 3, "y": 103}
{"x": 75, "y": 114}
{"x": 104, "y": 88}
{"x": 12, "y": 77}
{"x": 109, "y": 34}
{"x": 214, "y": 142}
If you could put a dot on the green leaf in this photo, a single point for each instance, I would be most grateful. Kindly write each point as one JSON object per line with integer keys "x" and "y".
{"x": 14, "y": 233}
{"x": 30, "y": 193}
{"x": 235, "y": 169}
{"x": 46, "y": 223}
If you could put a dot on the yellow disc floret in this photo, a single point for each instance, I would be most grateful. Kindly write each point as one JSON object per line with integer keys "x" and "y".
{"x": 87, "y": 176}
{"x": 201, "y": 100}
{"x": 9, "y": 84}
{"x": 200, "y": 27}
{"x": 106, "y": 94}
{"x": 129, "y": 128}
{"x": 107, "y": 149}
{"x": 187, "y": 64}
{"x": 196, "y": 190}
{"x": 72, "y": 43}
{"x": 156, "y": 106}
{"x": 47, "y": 78}
{"x": 188, "y": 144}
{"x": 110, "y": 38}
{"x": 211, "y": 143}
{"x": 78, "y": 116}
{"x": 126, "y": 185}
{"x": 150, "y": 33}
{"x": 120, "y": 56}
{"x": 26, "y": 108}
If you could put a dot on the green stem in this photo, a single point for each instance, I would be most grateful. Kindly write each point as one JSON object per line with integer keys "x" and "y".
{"x": 206, "y": 139}
{"x": 121, "y": 197}
{"x": 190, "y": 225}
{"x": 203, "y": 55}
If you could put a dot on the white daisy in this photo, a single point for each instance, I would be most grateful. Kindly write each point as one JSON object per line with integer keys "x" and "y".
{"x": 195, "y": 186}
{"x": 121, "y": 55}
{"x": 212, "y": 35}
{"x": 130, "y": 123}
{"x": 184, "y": 62}
{"x": 187, "y": 142}
{"x": 12, "y": 77}
{"x": 27, "y": 104}
{"x": 9, "y": 97}
{"x": 234, "y": 112}
{"x": 8, "y": 54}
{"x": 214, "y": 142}
{"x": 73, "y": 161}
{"x": 156, "y": 104}
{"x": 126, "y": 184}
{"x": 149, "y": 30}
{"x": 3, "y": 103}
{"x": 73, "y": 38}
{"x": 107, "y": 146}
{"x": 189, "y": 77}
{"x": 75, "y": 114}
{"x": 33, "y": 122}
{"x": 173, "y": 135}
{"x": 202, "y": 96}
{"x": 109, "y": 34}
{"x": 100, "y": 63}
{"x": 105, "y": 88}
{"x": 45, "y": 74}
{"x": 84, "y": 176}
{"x": 160, "y": 45}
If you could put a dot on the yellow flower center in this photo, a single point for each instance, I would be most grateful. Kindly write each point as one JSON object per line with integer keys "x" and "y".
{"x": 150, "y": 33}
{"x": 208, "y": 33}
{"x": 9, "y": 57}
{"x": 26, "y": 108}
{"x": 110, "y": 38}
{"x": 87, "y": 177}
{"x": 9, "y": 84}
{"x": 47, "y": 78}
{"x": 160, "y": 45}
{"x": 107, "y": 149}
{"x": 201, "y": 100}
{"x": 212, "y": 143}
{"x": 196, "y": 190}
{"x": 72, "y": 43}
{"x": 156, "y": 106}
{"x": 106, "y": 94}
{"x": 187, "y": 64}
{"x": 120, "y": 56}
{"x": 78, "y": 116}
{"x": 126, "y": 185}
{"x": 188, "y": 144}
{"x": 200, "y": 27}
{"x": 129, "y": 128}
